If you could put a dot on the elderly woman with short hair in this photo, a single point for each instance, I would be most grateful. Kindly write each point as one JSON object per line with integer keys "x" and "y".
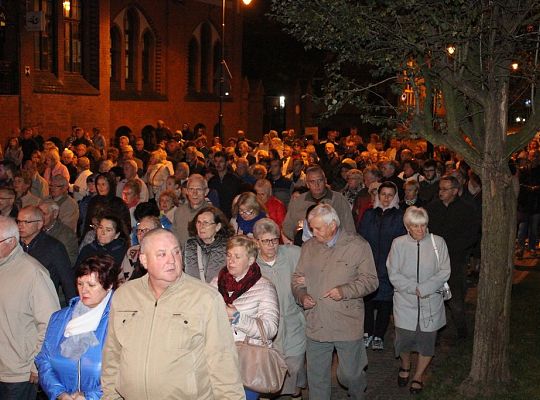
{"x": 418, "y": 266}
{"x": 277, "y": 263}
{"x": 247, "y": 294}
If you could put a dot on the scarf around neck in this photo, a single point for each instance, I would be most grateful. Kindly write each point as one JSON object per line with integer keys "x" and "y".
{"x": 228, "y": 284}
{"x": 247, "y": 226}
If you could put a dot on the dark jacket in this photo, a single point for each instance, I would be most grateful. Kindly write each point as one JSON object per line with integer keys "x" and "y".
{"x": 380, "y": 228}
{"x": 116, "y": 249}
{"x": 53, "y": 255}
{"x": 227, "y": 189}
{"x": 459, "y": 226}
{"x": 58, "y": 374}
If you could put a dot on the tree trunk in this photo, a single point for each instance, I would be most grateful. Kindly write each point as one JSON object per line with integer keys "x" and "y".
{"x": 490, "y": 362}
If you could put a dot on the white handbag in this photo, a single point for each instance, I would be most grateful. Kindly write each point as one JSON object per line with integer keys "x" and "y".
{"x": 445, "y": 289}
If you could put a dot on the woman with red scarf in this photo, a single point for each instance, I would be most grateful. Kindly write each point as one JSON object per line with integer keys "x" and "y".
{"x": 247, "y": 294}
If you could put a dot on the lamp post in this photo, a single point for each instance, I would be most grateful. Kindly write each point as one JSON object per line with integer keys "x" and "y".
{"x": 223, "y": 67}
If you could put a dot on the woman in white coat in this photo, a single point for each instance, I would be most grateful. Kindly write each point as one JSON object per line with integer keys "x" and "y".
{"x": 418, "y": 266}
{"x": 248, "y": 295}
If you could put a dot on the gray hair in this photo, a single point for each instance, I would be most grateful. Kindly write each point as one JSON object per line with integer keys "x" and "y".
{"x": 198, "y": 177}
{"x": 60, "y": 180}
{"x": 265, "y": 225}
{"x": 326, "y": 212}
{"x": 415, "y": 216}
{"x": 9, "y": 228}
{"x": 50, "y": 204}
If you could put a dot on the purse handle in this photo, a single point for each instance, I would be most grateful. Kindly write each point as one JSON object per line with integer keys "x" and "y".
{"x": 264, "y": 339}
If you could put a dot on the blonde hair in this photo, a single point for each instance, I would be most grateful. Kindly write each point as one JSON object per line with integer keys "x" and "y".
{"x": 249, "y": 244}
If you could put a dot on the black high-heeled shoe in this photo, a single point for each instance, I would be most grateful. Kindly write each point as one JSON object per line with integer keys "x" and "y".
{"x": 416, "y": 390}
{"x": 402, "y": 381}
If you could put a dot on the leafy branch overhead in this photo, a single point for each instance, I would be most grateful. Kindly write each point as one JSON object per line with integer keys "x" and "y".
{"x": 462, "y": 50}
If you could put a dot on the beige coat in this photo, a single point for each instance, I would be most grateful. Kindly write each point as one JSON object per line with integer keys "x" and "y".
{"x": 179, "y": 347}
{"x": 348, "y": 265}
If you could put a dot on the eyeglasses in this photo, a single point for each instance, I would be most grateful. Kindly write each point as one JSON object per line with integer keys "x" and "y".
{"x": 22, "y": 221}
{"x": 56, "y": 186}
{"x": 205, "y": 224}
{"x": 268, "y": 242}
{"x": 3, "y": 240}
{"x": 446, "y": 189}
{"x": 195, "y": 190}
{"x": 142, "y": 231}
{"x": 246, "y": 212}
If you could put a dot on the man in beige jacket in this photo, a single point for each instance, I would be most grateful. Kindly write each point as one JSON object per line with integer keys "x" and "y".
{"x": 335, "y": 271}
{"x": 169, "y": 336}
{"x": 27, "y": 300}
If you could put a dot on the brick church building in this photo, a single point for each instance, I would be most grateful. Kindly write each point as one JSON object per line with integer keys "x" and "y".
{"x": 121, "y": 63}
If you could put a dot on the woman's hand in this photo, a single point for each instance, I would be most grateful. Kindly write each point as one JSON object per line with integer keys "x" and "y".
{"x": 65, "y": 396}
{"x": 418, "y": 293}
{"x": 231, "y": 310}
{"x": 78, "y": 396}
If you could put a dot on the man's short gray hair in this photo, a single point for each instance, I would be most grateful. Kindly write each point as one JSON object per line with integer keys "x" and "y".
{"x": 415, "y": 216}
{"x": 265, "y": 225}
{"x": 326, "y": 212}
{"x": 9, "y": 228}
{"x": 199, "y": 178}
{"x": 50, "y": 204}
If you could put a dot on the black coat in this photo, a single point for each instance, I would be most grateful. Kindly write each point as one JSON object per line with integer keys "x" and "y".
{"x": 459, "y": 225}
{"x": 52, "y": 254}
{"x": 116, "y": 249}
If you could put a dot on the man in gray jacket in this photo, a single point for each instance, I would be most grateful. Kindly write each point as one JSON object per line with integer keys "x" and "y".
{"x": 27, "y": 300}
{"x": 335, "y": 271}
{"x": 318, "y": 193}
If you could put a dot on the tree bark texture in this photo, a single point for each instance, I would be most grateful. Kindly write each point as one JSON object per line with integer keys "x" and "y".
{"x": 490, "y": 361}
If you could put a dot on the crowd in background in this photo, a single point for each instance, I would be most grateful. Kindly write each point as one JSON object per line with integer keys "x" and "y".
{"x": 86, "y": 196}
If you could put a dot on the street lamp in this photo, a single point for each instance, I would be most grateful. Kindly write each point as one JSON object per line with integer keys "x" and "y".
{"x": 224, "y": 67}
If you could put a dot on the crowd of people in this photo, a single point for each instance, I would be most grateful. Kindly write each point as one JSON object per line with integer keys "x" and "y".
{"x": 166, "y": 248}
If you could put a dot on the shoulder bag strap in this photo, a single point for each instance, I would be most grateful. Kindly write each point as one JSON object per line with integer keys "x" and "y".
{"x": 434, "y": 247}
{"x": 200, "y": 264}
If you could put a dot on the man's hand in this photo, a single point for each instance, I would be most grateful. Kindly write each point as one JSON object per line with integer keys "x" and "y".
{"x": 34, "y": 378}
{"x": 65, "y": 396}
{"x": 308, "y": 302}
{"x": 335, "y": 294}
{"x": 78, "y": 396}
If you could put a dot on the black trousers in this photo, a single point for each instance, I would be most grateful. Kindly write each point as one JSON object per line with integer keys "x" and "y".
{"x": 456, "y": 305}
{"x": 18, "y": 391}
{"x": 377, "y": 326}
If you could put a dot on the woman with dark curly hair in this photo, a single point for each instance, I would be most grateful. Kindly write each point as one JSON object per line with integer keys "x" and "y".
{"x": 205, "y": 252}
{"x": 69, "y": 362}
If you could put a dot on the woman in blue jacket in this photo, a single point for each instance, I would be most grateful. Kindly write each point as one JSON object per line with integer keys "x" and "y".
{"x": 380, "y": 226}
{"x": 69, "y": 362}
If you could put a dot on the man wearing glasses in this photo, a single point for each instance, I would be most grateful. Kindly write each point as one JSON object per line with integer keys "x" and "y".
{"x": 69, "y": 210}
{"x": 7, "y": 202}
{"x": 47, "y": 250}
{"x": 459, "y": 224}
{"x": 197, "y": 189}
{"x": 27, "y": 300}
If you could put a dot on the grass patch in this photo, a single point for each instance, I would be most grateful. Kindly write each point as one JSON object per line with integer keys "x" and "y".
{"x": 524, "y": 352}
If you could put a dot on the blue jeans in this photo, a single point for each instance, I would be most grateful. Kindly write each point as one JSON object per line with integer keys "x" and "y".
{"x": 18, "y": 391}
{"x": 352, "y": 360}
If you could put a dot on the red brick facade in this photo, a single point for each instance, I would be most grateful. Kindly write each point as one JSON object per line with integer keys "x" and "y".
{"x": 153, "y": 45}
